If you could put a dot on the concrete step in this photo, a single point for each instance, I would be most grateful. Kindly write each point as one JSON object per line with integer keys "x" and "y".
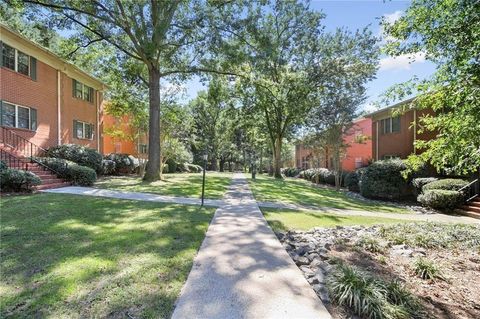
{"x": 51, "y": 180}
{"x": 54, "y": 185}
{"x": 468, "y": 213}
{"x": 474, "y": 203}
{"x": 470, "y": 208}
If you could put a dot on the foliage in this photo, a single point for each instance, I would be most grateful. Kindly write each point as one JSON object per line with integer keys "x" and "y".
{"x": 291, "y": 171}
{"x": 352, "y": 179}
{"x": 446, "y": 33}
{"x": 433, "y": 235}
{"x": 108, "y": 167}
{"x": 17, "y": 180}
{"x": 369, "y": 297}
{"x": 124, "y": 163}
{"x": 79, "y": 154}
{"x": 440, "y": 198}
{"x": 426, "y": 269}
{"x": 3, "y": 166}
{"x": 446, "y": 184}
{"x": 81, "y": 175}
{"x": 370, "y": 244}
{"x": 172, "y": 165}
{"x": 59, "y": 165}
{"x": 383, "y": 179}
{"x": 419, "y": 183}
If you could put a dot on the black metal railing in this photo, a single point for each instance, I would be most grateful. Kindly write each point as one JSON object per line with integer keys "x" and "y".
{"x": 12, "y": 161}
{"x": 471, "y": 190}
{"x": 23, "y": 147}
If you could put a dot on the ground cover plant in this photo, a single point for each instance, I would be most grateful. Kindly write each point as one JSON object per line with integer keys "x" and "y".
{"x": 179, "y": 184}
{"x": 302, "y": 192}
{"x": 66, "y": 256}
{"x": 404, "y": 270}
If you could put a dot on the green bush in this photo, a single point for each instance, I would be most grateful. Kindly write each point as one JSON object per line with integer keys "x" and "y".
{"x": 352, "y": 179}
{"x": 59, "y": 165}
{"x": 124, "y": 163}
{"x": 450, "y": 184}
{"x": 384, "y": 180}
{"x": 108, "y": 167}
{"x": 291, "y": 171}
{"x": 427, "y": 269}
{"x": 194, "y": 168}
{"x": 79, "y": 154}
{"x": 440, "y": 198}
{"x": 165, "y": 169}
{"x": 17, "y": 180}
{"x": 81, "y": 175}
{"x": 172, "y": 166}
{"x": 418, "y": 183}
{"x": 3, "y": 166}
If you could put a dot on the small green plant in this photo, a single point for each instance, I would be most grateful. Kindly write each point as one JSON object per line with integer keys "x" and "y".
{"x": 382, "y": 259}
{"x": 426, "y": 269}
{"x": 370, "y": 244}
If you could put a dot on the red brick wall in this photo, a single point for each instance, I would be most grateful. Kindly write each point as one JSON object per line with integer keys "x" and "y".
{"x": 40, "y": 94}
{"x": 357, "y": 150}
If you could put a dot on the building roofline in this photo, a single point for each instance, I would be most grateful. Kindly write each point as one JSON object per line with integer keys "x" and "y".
{"x": 390, "y": 107}
{"x": 54, "y": 55}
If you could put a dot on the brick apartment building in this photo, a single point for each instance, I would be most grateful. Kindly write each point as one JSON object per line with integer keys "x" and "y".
{"x": 45, "y": 99}
{"x": 119, "y": 137}
{"x": 394, "y": 136}
{"x": 358, "y": 153}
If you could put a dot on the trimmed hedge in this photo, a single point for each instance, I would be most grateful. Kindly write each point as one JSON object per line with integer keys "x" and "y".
{"x": 446, "y": 184}
{"x": 17, "y": 180}
{"x": 441, "y": 198}
{"x": 383, "y": 179}
{"x": 79, "y": 154}
{"x": 172, "y": 166}
{"x": 419, "y": 183}
{"x": 70, "y": 171}
{"x": 352, "y": 179}
{"x": 291, "y": 171}
{"x": 124, "y": 163}
{"x": 3, "y": 166}
{"x": 108, "y": 167}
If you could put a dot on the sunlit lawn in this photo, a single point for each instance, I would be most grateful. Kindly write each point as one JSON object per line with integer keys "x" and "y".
{"x": 181, "y": 184}
{"x": 302, "y": 192}
{"x": 67, "y": 256}
{"x": 284, "y": 219}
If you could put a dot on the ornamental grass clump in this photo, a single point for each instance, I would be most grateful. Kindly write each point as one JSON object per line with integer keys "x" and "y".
{"x": 427, "y": 269}
{"x": 369, "y": 297}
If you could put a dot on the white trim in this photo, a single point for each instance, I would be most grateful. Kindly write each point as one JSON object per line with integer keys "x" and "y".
{"x": 376, "y": 143}
{"x": 97, "y": 107}
{"x": 16, "y": 106}
{"x": 59, "y": 108}
{"x": 83, "y": 131}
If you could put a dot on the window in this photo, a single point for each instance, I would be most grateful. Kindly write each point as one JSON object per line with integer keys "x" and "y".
{"x": 16, "y": 60}
{"x": 358, "y": 162}
{"x": 82, "y": 91}
{"x": 8, "y": 54}
{"x": 387, "y": 157}
{"x": 18, "y": 116}
{"x": 82, "y": 130}
{"x": 143, "y": 149}
{"x": 390, "y": 125}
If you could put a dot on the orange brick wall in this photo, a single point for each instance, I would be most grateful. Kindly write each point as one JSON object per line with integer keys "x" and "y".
{"x": 357, "y": 150}
{"x": 116, "y": 145}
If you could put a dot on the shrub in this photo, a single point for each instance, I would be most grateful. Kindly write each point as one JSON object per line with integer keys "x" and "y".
{"x": 59, "y": 165}
{"x": 165, "y": 168}
{"x": 426, "y": 269}
{"x": 370, "y": 244}
{"x": 172, "y": 166}
{"x": 108, "y": 167}
{"x": 3, "y": 166}
{"x": 194, "y": 168}
{"x": 124, "y": 163}
{"x": 450, "y": 184}
{"x": 418, "y": 183}
{"x": 369, "y": 297}
{"x": 351, "y": 181}
{"x": 81, "y": 175}
{"x": 440, "y": 198}
{"x": 17, "y": 180}
{"x": 383, "y": 179}
{"x": 291, "y": 171}
{"x": 79, "y": 154}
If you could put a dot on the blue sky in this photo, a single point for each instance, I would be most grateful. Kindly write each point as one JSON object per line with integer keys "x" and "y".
{"x": 357, "y": 14}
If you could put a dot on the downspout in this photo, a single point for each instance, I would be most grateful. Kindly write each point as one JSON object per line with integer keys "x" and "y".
{"x": 376, "y": 141}
{"x": 97, "y": 107}
{"x": 59, "y": 111}
{"x": 414, "y": 130}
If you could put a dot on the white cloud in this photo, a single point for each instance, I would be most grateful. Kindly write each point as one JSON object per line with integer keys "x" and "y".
{"x": 401, "y": 62}
{"x": 392, "y": 17}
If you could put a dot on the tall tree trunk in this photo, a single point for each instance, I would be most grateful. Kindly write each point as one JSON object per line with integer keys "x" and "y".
{"x": 152, "y": 171}
{"x": 213, "y": 165}
{"x": 277, "y": 158}
{"x": 222, "y": 164}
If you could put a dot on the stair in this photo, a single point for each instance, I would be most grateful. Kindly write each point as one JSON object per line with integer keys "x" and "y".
{"x": 48, "y": 178}
{"x": 471, "y": 209}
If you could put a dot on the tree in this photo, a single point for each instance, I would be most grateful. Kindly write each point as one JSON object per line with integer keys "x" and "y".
{"x": 349, "y": 61}
{"x": 447, "y": 33}
{"x": 166, "y": 37}
{"x": 276, "y": 50}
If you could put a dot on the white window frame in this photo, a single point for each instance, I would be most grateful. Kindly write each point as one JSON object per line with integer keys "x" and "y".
{"x": 16, "y": 116}
{"x": 390, "y": 119}
{"x": 85, "y": 89}
{"x": 83, "y": 131}
{"x": 16, "y": 61}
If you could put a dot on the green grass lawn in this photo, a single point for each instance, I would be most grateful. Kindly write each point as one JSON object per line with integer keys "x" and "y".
{"x": 301, "y": 192}
{"x": 67, "y": 256}
{"x": 284, "y": 219}
{"x": 178, "y": 184}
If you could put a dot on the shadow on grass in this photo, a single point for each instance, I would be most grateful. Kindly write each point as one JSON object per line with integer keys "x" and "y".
{"x": 66, "y": 255}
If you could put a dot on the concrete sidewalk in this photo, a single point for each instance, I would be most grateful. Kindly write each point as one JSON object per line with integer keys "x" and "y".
{"x": 242, "y": 270}
{"x": 91, "y": 191}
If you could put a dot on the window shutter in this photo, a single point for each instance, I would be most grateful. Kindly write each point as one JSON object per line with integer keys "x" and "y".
{"x": 92, "y": 130}
{"x": 1, "y": 53}
{"x": 33, "y": 68}
{"x": 1, "y": 111}
{"x": 33, "y": 119}
{"x": 74, "y": 128}
{"x": 73, "y": 87}
{"x": 92, "y": 96}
